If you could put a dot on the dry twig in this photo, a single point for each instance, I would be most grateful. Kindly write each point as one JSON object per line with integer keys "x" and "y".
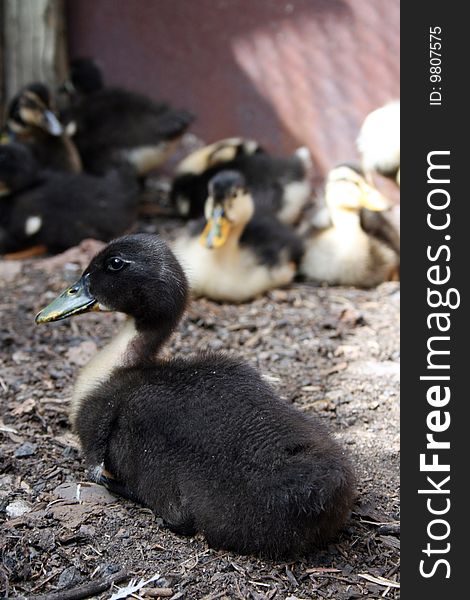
{"x": 87, "y": 590}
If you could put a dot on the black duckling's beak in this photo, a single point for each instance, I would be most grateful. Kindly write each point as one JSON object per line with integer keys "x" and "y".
{"x": 75, "y": 300}
{"x": 217, "y": 230}
{"x": 52, "y": 124}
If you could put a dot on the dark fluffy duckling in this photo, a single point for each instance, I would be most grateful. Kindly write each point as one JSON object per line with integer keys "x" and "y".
{"x": 204, "y": 442}
{"x": 345, "y": 252}
{"x": 238, "y": 254}
{"x": 57, "y": 209}
{"x": 278, "y": 185}
{"x": 31, "y": 120}
{"x": 117, "y": 124}
{"x": 379, "y": 142}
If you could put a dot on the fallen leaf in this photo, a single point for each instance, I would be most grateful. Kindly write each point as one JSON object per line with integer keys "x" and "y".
{"x": 71, "y": 515}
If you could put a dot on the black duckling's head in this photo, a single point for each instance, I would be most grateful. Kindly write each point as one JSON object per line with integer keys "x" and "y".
{"x": 18, "y": 168}
{"x": 86, "y": 77}
{"x": 32, "y": 109}
{"x": 228, "y": 206}
{"x": 347, "y": 189}
{"x": 137, "y": 275}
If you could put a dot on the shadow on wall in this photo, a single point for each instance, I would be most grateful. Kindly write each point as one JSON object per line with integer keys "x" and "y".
{"x": 301, "y": 72}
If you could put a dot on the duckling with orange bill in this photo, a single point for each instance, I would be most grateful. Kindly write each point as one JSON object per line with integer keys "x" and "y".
{"x": 234, "y": 255}
{"x": 347, "y": 252}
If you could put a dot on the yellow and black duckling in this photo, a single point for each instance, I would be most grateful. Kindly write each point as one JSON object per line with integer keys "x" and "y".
{"x": 56, "y": 209}
{"x": 31, "y": 121}
{"x": 114, "y": 124}
{"x": 237, "y": 254}
{"x": 222, "y": 151}
{"x": 279, "y": 186}
{"x": 203, "y": 441}
{"x": 379, "y": 142}
{"x": 354, "y": 249}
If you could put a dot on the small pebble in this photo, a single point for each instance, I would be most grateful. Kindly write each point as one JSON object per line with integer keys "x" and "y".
{"x": 17, "y": 508}
{"x": 26, "y": 449}
{"x": 69, "y": 577}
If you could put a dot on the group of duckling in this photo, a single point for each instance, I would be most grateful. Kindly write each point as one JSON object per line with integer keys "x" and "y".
{"x": 205, "y": 442}
{"x": 78, "y": 173}
{"x": 251, "y": 231}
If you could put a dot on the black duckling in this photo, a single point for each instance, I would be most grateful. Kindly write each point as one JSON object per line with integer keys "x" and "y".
{"x": 117, "y": 124}
{"x": 31, "y": 120}
{"x": 379, "y": 142}
{"x": 238, "y": 254}
{"x": 58, "y": 209}
{"x": 279, "y": 186}
{"x": 204, "y": 441}
{"x": 345, "y": 253}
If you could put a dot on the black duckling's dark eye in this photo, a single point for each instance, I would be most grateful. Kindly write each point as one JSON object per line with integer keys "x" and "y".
{"x": 114, "y": 263}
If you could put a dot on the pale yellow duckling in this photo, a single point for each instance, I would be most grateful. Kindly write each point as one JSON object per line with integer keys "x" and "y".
{"x": 344, "y": 253}
{"x": 379, "y": 142}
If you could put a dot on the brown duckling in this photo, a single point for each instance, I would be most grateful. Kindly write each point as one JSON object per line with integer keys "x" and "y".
{"x": 31, "y": 120}
{"x": 203, "y": 441}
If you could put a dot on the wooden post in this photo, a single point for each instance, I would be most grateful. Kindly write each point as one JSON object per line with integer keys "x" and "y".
{"x": 34, "y": 47}
{"x": 2, "y": 68}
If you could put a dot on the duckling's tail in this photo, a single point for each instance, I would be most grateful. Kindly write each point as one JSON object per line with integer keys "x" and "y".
{"x": 291, "y": 513}
{"x": 173, "y": 123}
{"x": 311, "y": 506}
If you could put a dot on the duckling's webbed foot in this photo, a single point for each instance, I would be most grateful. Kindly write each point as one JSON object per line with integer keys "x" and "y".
{"x": 96, "y": 472}
{"x": 100, "y": 475}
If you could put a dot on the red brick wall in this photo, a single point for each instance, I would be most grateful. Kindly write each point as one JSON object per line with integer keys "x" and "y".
{"x": 289, "y": 73}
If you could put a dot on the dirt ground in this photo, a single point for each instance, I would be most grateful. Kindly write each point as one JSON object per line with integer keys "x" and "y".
{"x": 330, "y": 351}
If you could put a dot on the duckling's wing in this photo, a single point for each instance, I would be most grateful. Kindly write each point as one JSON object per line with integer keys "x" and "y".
{"x": 272, "y": 241}
{"x": 173, "y": 123}
{"x": 378, "y": 225}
